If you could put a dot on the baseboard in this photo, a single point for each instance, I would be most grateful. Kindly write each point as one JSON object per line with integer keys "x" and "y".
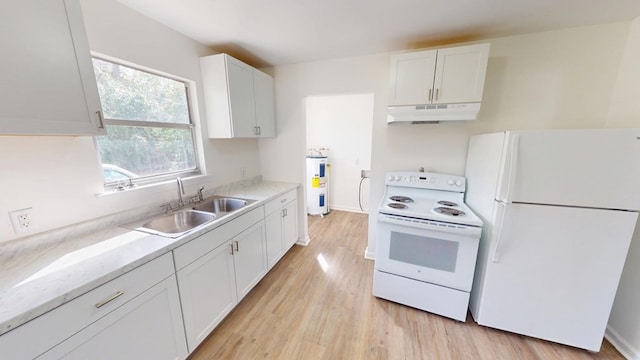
{"x": 623, "y": 346}
{"x": 306, "y": 241}
{"x": 349, "y": 209}
{"x": 369, "y": 255}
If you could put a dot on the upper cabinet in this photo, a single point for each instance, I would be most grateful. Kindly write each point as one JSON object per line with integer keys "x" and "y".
{"x": 238, "y": 99}
{"x": 48, "y": 85}
{"x": 443, "y": 76}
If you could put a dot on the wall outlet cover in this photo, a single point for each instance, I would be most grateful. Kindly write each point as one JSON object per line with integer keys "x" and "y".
{"x": 21, "y": 220}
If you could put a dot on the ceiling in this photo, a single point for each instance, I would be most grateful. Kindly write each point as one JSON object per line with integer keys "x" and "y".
{"x": 269, "y": 33}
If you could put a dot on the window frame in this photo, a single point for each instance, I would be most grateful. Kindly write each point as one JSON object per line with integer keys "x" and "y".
{"x": 191, "y": 126}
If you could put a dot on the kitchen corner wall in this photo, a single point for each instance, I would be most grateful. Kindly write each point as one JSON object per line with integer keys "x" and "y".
{"x": 571, "y": 78}
{"x": 59, "y": 176}
{"x": 624, "y": 323}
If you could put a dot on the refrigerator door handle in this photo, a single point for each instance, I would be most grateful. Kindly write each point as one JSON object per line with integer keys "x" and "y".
{"x": 499, "y": 226}
{"x": 513, "y": 167}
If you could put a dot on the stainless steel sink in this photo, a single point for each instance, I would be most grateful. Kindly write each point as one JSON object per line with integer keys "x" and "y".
{"x": 178, "y": 223}
{"x": 221, "y": 205}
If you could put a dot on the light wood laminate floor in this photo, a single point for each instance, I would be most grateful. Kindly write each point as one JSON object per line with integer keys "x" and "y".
{"x": 316, "y": 303}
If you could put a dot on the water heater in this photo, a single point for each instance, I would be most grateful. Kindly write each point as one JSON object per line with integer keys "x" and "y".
{"x": 317, "y": 185}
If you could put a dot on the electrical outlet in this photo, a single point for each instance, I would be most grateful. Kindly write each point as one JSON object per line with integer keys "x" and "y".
{"x": 365, "y": 173}
{"x": 21, "y": 220}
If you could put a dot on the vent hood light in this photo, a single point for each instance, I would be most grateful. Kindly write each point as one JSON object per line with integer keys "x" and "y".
{"x": 432, "y": 114}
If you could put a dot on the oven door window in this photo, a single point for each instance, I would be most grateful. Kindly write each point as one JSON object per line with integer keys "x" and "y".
{"x": 423, "y": 251}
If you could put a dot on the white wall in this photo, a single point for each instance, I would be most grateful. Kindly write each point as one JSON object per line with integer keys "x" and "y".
{"x": 624, "y": 323}
{"x": 342, "y": 124}
{"x": 282, "y": 158}
{"x": 60, "y": 176}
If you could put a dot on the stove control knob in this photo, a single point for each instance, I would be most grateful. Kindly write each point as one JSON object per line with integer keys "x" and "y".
{"x": 450, "y": 182}
{"x": 398, "y": 178}
{"x": 459, "y": 183}
{"x": 391, "y": 178}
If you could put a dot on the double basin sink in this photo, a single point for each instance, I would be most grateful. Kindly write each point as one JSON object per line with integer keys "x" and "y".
{"x": 180, "y": 222}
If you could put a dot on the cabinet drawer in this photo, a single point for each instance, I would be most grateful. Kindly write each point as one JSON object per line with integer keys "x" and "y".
{"x": 280, "y": 201}
{"x": 31, "y": 339}
{"x": 194, "y": 249}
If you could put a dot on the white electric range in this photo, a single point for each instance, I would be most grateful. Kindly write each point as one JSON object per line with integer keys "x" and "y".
{"x": 427, "y": 243}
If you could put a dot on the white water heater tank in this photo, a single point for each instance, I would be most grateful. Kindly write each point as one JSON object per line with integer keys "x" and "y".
{"x": 317, "y": 185}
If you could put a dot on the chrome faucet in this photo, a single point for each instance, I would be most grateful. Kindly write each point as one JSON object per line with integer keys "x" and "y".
{"x": 180, "y": 191}
{"x": 199, "y": 194}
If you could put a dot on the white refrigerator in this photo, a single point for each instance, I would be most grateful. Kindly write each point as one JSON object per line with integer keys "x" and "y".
{"x": 559, "y": 210}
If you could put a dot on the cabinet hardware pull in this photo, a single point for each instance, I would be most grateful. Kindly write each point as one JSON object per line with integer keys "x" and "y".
{"x": 283, "y": 201}
{"x": 282, "y": 213}
{"x": 437, "y": 93}
{"x": 115, "y": 296}
{"x": 100, "y": 119}
{"x": 430, "y": 93}
{"x": 259, "y": 131}
{"x": 237, "y": 246}
{"x": 231, "y": 245}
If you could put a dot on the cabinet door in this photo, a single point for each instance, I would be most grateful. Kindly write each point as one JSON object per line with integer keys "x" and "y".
{"x": 274, "y": 238}
{"x": 48, "y": 85}
{"x": 265, "y": 117}
{"x": 241, "y": 97}
{"x": 147, "y": 327}
{"x": 290, "y": 225}
{"x": 412, "y": 78}
{"x": 208, "y": 293}
{"x": 249, "y": 258}
{"x": 460, "y": 73}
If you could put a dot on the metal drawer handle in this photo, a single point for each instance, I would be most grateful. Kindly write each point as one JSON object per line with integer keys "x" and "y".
{"x": 283, "y": 200}
{"x": 115, "y": 296}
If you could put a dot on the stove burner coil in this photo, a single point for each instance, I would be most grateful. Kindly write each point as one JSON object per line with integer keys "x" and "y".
{"x": 447, "y": 203}
{"x": 448, "y": 211}
{"x": 402, "y": 199}
{"x": 397, "y": 206}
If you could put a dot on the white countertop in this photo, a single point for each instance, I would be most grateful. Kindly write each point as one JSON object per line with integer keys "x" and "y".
{"x": 36, "y": 279}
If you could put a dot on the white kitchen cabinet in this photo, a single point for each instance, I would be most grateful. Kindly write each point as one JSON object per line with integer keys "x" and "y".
{"x": 48, "y": 85}
{"x": 207, "y": 291}
{"x": 217, "y": 269}
{"x": 281, "y": 222}
{"x": 238, "y": 99}
{"x": 442, "y": 76}
{"x": 249, "y": 258}
{"x": 147, "y": 292}
{"x": 147, "y": 327}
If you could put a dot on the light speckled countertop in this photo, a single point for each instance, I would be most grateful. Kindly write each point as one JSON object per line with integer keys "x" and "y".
{"x": 36, "y": 278}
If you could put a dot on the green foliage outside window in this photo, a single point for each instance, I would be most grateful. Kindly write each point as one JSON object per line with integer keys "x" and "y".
{"x": 159, "y": 139}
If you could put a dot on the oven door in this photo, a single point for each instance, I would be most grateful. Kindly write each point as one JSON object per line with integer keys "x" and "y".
{"x": 420, "y": 252}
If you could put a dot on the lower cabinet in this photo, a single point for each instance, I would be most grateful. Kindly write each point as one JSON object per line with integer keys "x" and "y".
{"x": 216, "y": 270}
{"x": 208, "y": 292}
{"x": 134, "y": 316}
{"x": 281, "y": 226}
{"x": 147, "y": 327}
{"x": 249, "y": 258}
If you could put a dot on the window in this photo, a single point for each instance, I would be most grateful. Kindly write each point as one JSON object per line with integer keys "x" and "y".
{"x": 150, "y": 133}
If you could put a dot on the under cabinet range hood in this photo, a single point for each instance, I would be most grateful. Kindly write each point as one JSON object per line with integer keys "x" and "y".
{"x": 433, "y": 86}
{"x": 425, "y": 114}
